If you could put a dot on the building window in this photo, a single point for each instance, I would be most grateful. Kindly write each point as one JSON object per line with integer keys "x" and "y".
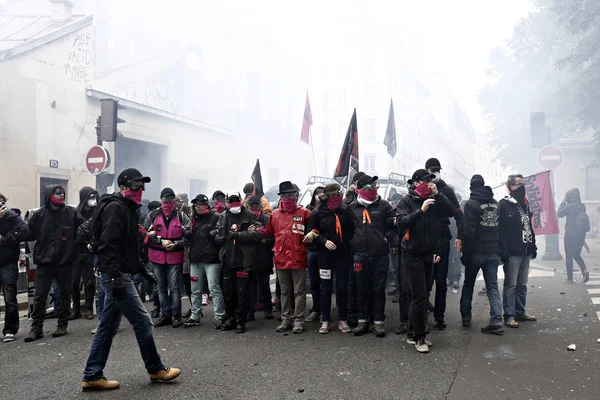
{"x": 369, "y": 164}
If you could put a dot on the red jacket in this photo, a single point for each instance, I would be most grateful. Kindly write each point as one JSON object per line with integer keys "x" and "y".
{"x": 288, "y": 229}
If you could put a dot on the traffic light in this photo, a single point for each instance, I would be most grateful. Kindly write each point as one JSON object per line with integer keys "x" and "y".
{"x": 109, "y": 119}
{"x": 538, "y": 130}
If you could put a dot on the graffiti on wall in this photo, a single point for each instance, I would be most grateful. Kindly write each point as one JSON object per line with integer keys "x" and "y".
{"x": 78, "y": 67}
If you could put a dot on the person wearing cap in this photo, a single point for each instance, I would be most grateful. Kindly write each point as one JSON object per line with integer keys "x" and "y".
{"x": 260, "y": 285}
{"x": 351, "y": 197}
{"x": 287, "y": 226}
{"x": 351, "y": 194}
{"x": 434, "y": 167}
{"x": 166, "y": 227}
{"x": 204, "y": 261}
{"x": 218, "y": 202}
{"x": 237, "y": 238}
{"x": 118, "y": 260}
{"x": 249, "y": 189}
{"x": 333, "y": 252}
{"x": 372, "y": 236}
{"x": 419, "y": 215}
{"x": 481, "y": 251}
{"x": 53, "y": 227}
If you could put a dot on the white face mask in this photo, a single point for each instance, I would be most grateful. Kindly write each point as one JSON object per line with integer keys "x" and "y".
{"x": 92, "y": 202}
{"x": 235, "y": 210}
{"x": 438, "y": 176}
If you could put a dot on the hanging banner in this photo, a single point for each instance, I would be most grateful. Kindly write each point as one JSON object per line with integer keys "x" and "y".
{"x": 541, "y": 202}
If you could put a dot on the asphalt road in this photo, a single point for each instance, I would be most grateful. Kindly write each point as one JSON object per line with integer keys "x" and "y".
{"x": 531, "y": 362}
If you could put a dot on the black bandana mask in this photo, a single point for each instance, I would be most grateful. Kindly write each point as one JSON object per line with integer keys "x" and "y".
{"x": 519, "y": 194}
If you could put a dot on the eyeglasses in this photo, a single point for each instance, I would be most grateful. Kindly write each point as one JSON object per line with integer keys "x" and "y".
{"x": 59, "y": 192}
{"x": 200, "y": 203}
{"x": 288, "y": 195}
{"x": 169, "y": 198}
{"x": 370, "y": 186}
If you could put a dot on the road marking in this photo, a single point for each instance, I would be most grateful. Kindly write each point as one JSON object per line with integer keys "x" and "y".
{"x": 595, "y": 300}
{"x": 598, "y": 314}
{"x": 594, "y": 291}
{"x": 593, "y": 283}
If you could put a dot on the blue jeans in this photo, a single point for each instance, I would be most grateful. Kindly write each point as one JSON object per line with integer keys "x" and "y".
{"x": 169, "y": 288}
{"x": 9, "y": 274}
{"x": 371, "y": 274}
{"x": 488, "y": 263}
{"x": 516, "y": 272}
{"x": 135, "y": 312}
{"x": 101, "y": 296}
{"x": 200, "y": 273}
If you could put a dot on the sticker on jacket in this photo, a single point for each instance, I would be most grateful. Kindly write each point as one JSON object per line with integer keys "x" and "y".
{"x": 298, "y": 218}
{"x": 298, "y": 228}
{"x": 489, "y": 216}
{"x": 358, "y": 266}
{"x": 325, "y": 273}
{"x": 241, "y": 274}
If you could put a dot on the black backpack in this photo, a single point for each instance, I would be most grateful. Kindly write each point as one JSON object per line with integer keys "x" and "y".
{"x": 582, "y": 223}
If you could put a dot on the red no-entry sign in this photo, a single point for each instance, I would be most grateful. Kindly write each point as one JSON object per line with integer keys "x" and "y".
{"x": 550, "y": 157}
{"x": 97, "y": 160}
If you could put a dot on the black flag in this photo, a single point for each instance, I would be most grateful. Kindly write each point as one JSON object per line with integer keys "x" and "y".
{"x": 390, "y": 133}
{"x": 349, "y": 154}
{"x": 257, "y": 179}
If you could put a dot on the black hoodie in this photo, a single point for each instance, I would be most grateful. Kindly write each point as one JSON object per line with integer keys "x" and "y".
{"x": 84, "y": 212}
{"x": 54, "y": 229}
{"x": 457, "y": 215}
{"x": 324, "y": 221}
{"x": 201, "y": 238}
{"x": 13, "y": 231}
{"x": 481, "y": 223}
{"x": 571, "y": 209}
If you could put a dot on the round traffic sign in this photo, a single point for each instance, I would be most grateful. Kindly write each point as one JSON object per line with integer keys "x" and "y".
{"x": 550, "y": 157}
{"x": 97, "y": 160}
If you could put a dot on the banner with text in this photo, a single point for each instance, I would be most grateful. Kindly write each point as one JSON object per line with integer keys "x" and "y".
{"x": 541, "y": 201}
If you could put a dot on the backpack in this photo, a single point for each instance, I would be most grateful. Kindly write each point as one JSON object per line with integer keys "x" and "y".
{"x": 92, "y": 228}
{"x": 582, "y": 223}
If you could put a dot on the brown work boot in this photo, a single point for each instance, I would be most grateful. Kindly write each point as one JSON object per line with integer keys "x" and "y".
{"x": 165, "y": 375}
{"x": 380, "y": 330}
{"x": 361, "y": 329}
{"x": 34, "y": 334}
{"x": 99, "y": 384}
{"x": 89, "y": 314}
{"x": 61, "y": 330}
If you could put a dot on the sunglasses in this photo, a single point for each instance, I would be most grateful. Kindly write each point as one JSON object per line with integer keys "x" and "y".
{"x": 169, "y": 198}
{"x": 288, "y": 195}
{"x": 135, "y": 185}
{"x": 59, "y": 192}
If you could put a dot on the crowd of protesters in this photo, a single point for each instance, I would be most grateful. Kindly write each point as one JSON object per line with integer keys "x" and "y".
{"x": 225, "y": 248}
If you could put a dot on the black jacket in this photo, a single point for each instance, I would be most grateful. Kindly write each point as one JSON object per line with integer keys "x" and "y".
{"x": 264, "y": 253}
{"x": 374, "y": 238}
{"x": 420, "y": 231}
{"x": 324, "y": 220}
{"x": 13, "y": 231}
{"x": 201, "y": 238}
{"x": 571, "y": 209}
{"x": 54, "y": 230}
{"x": 240, "y": 245}
{"x": 84, "y": 213}
{"x": 481, "y": 223}
{"x": 118, "y": 244}
{"x": 512, "y": 237}
{"x": 447, "y": 191}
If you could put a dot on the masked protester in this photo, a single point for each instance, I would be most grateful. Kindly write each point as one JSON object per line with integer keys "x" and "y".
{"x": 433, "y": 166}
{"x": 237, "y": 239}
{"x": 287, "y": 226}
{"x": 372, "y": 236}
{"x": 249, "y": 190}
{"x": 218, "y": 202}
{"x": 181, "y": 201}
{"x": 260, "y": 285}
{"x": 517, "y": 249}
{"x": 166, "y": 227}
{"x": 116, "y": 229}
{"x": 419, "y": 215}
{"x": 204, "y": 261}
{"x": 576, "y": 227}
{"x": 13, "y": 231}
{"x": 481, "y": 252}
{"x": 333, "y": 252}
{"x": 313, "y": 264}
{"x": 54, "y": 254}
{"x": 84, "y": 265}
{"x": 352, "y": 194}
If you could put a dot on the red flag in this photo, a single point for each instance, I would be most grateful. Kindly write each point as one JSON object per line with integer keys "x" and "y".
{"x": 306, "y": 123}
{"x": 541, "y": 202}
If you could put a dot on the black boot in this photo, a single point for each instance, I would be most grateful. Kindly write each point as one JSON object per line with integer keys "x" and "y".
{"x": 241, "y": 328}
{"x": 586, "y": 275}
{"x": 229, "y": 325}
{"x": 75, "y": 312}
{"x": 155, "y": 313}
{"x": 177, "y": 321}
{"x": 34, "y": 334}
{"x": 61, "y": 330}
{"x": 164, "y": 321}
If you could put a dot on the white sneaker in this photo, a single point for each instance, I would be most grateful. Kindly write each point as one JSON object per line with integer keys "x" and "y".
{"x": 324, "y": 328}
{"x": 344, "y": 327}
{"x": 422, "y": 346}
{"x": 94, "y": 331}
{"x": 9, "y": 337}
{"x": 412, "y": 341}
{"x": 204, "y": 299}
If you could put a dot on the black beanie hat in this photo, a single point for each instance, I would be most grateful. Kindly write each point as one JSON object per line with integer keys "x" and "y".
{"x": 477, "y": 181}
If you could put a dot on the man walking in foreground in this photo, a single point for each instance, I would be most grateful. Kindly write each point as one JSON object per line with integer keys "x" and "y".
{"x": 115, "y": 228}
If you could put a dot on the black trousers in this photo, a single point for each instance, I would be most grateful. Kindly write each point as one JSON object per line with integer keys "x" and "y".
{"x": 419, "y": 271}
{"x": 260, "y": 286}
{"x": 440, "y": 273}
{"x": 84, "y": 271}
{"x": 43, "y": 281}
{"x": 236, "y": 288}
{"x": 573, "y": 247}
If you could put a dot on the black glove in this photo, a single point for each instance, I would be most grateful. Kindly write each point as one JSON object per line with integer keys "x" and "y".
{"x": 118, "y": 288}
{"x": 147, "y": 275}
{"x": 464, "y": 259}
{"x": 534, "y": 255}
{"x": 214, "y": 232}
{"x": 505, "y": 258}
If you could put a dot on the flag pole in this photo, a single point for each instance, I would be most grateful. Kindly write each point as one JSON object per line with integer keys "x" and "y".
{"x": 348, "y": 178}
{"x": 312, "y": 149}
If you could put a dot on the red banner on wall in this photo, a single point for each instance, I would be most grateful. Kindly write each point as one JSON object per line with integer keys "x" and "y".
{"x": 541, "y": 202}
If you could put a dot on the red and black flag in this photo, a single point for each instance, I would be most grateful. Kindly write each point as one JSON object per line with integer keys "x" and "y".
{"x": 348, "y": 162}
{"x": 257, "y": 180}
{"x": 390, "y": 133}
{"x": 306, "y": 122}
